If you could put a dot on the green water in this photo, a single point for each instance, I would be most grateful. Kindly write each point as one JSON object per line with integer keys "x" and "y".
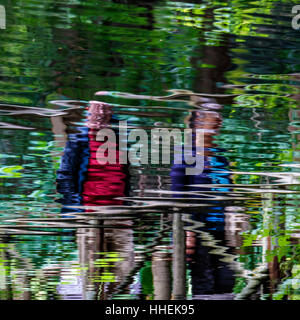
{"x": 231, "y": 68}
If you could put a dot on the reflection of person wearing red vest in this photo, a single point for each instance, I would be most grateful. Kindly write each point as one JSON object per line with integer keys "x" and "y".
{"x": 103, "y": 182}
{"x": 81, "y": 178}
{"x": 102, "y": 185}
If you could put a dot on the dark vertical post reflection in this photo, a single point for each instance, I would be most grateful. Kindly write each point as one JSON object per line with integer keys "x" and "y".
{"x": 8, "y": 282}
{"x": 179, "y": 268}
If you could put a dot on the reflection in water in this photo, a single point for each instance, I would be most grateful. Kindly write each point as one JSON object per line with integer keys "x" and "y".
{"x": 74, "y": 229}
{"x": 83, "y": 181}
{"x": 209, "y": 275}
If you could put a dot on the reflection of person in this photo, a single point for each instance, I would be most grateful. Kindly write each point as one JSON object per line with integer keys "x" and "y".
{"x": 209, "y": 274}
{"x": 83, "y": 181}
{"x": 103, "y": 183}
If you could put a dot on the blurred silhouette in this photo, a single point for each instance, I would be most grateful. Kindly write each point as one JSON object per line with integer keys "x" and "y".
{"x": 209, "y": 274}
{"x": 86, "y": 183}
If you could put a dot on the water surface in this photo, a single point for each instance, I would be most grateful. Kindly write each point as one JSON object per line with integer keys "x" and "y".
{"x": 73, "y": 229}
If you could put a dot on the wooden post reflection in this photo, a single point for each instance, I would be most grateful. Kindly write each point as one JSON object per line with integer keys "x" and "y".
{"x": 161, "y": 276}
{"x": 179, "y": 267}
